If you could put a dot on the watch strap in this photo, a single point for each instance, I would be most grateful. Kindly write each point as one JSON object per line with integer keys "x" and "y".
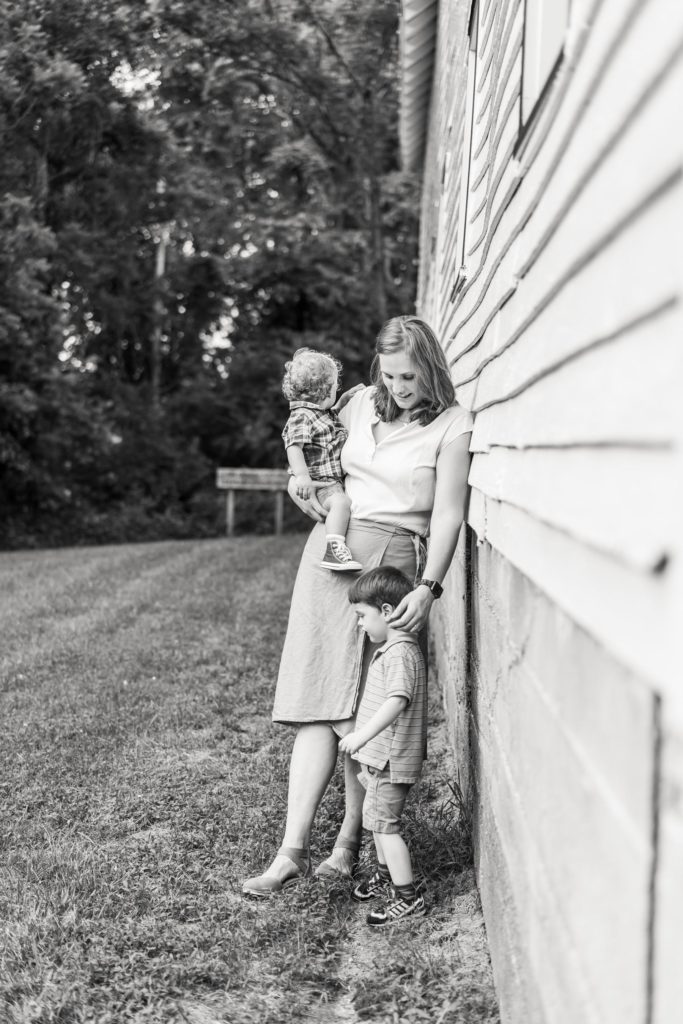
{"x": 433, "y": 585}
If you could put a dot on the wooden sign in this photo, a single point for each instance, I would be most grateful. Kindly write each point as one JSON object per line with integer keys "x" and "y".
{"x": 231, "y": 480}
{"x": 252, "y": 479}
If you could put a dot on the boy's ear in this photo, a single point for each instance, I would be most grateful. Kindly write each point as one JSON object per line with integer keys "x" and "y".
{"x": 387, "y": 609}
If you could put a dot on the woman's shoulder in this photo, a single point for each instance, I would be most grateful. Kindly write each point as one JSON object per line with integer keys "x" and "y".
{"x": 454, "y": 416}
{"x": 459, "y": 414}
{"x": 451, "y": 424}
{"x": 358, "y": 405}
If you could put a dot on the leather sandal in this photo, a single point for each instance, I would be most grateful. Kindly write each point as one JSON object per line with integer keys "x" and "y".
{"x": 329, "y": 869}
{"x": 263, "y": 886}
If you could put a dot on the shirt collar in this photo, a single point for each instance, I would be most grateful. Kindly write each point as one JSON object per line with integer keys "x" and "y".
{"x": 305, "y": 405}
{"x": 410, "y": 638}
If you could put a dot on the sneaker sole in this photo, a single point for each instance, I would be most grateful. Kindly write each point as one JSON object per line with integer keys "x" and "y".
{"x": 365, "y": 899}
{"x": 342, "y": 568}
{"x": 397, "y": 920}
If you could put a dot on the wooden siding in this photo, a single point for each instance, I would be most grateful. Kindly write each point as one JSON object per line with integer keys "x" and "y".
{"x": 564, "y": 805}
{"x": 565, "y": 342}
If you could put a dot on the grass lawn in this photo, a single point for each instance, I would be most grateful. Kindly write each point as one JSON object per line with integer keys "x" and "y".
{"x": 141, "y": 780}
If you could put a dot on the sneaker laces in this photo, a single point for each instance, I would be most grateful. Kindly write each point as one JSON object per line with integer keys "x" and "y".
{"x": 400, "y": 906}
{"x": 341, "y": 551}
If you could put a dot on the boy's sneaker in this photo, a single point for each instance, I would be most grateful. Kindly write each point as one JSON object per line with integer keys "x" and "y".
{"x": 371, "y": 888}
{"x": 398, "y": 909}
{"x": 338, "y": 557}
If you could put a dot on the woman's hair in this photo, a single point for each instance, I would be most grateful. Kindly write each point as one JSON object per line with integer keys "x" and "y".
{"x": 413, "y": 336}
{"x": 383, "y": 585}
{"x": 308, "y": 375}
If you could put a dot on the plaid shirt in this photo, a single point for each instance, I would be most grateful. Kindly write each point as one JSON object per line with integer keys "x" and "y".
{"x": 320, "y": 435}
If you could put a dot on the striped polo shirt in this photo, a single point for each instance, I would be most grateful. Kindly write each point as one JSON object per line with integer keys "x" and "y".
{"x": 396, "y": 670}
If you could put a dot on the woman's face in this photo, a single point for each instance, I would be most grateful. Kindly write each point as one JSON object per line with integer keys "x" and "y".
{"x": 399, "y": 374}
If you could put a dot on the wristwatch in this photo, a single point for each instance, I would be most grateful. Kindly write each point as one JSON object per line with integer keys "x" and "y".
{"x": 436, "y": 588}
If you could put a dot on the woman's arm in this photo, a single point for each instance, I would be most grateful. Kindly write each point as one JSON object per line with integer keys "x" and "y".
{"x": 310, "y": 506}
{"x": 452, "y": 470}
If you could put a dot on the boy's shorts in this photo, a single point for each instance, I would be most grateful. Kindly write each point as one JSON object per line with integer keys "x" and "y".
{"x": 384, "y": 800}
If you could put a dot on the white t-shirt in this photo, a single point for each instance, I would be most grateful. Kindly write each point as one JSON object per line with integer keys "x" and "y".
{"x": 394, "y": 481}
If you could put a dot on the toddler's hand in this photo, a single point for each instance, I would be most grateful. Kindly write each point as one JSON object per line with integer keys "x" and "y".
{"x": 311, "y": 506}
{"x": 304, "y": 486}
{"x": 344, "y": 399}
{"x": 350, "y": 744}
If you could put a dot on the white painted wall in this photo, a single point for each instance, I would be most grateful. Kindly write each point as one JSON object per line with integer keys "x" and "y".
{"x": 566, "y": 341}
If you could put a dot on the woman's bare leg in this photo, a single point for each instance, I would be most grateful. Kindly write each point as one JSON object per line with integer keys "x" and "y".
{"x": 314, "y": 756}
{"x": 354, "y": 795}
{"x": 343, "y": 858}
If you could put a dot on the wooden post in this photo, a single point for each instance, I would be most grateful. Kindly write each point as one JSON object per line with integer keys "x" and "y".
{"x": 278, "y": 511}
{"x": 230, "y": 512}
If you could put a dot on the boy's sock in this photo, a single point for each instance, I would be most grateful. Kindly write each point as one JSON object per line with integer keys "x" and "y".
{"x": 383, "y": 872}
{"x": 336, "y": 536}
{"x": 406, "y": 892}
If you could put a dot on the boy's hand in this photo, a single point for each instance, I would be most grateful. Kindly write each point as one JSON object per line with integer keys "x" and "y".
{"x": 351, "y": 743}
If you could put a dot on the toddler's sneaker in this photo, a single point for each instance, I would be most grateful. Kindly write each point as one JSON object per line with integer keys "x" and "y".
{"x": 371, "y": 888}
{"x": 396, "y": 910}
{"x": 339, "y": 558}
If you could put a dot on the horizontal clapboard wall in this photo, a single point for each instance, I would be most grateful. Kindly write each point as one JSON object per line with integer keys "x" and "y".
{"x": 556, "y": 290}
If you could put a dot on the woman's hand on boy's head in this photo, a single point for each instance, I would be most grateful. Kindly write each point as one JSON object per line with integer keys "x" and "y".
{"x": 311, "y": 506}
{"x": 412, "y": 612}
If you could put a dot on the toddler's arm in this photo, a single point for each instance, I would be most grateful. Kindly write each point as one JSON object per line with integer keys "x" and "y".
{"x": 302, "y": 478}
{"x": 384, "y": 716}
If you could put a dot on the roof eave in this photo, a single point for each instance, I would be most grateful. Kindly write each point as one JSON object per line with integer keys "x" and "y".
{"x": 418, "y": 47}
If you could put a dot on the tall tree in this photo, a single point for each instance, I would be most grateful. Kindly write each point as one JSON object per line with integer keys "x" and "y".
{"x": 258, "y": 139}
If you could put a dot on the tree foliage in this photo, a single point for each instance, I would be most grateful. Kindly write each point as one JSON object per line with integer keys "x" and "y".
{"x": 189, "y": 192}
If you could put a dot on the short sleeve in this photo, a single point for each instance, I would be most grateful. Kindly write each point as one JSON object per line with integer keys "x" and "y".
{"x": 400, "y": 673}
{"x": 461, "y": 423}
{"x": 298, "y": 429}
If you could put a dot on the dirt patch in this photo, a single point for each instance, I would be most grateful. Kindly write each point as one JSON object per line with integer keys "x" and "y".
{"x": 436, "y": 968}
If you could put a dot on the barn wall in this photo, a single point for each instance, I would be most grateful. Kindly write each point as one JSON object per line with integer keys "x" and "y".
{"x": 565, "y": 342}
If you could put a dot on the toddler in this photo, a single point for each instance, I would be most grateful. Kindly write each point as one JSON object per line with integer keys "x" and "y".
{"x": 314, "y": 437}
{"x": 389, "y": 741}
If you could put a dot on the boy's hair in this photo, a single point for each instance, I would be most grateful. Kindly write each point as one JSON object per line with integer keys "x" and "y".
{"x": 383, "y": 585}
{"x": 308, "y": 375}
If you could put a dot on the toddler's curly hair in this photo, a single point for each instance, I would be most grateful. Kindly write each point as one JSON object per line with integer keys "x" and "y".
{"x": 308, "y": 375}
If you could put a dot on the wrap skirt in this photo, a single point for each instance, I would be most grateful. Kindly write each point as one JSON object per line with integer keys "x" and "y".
{"x": 325, "y": 654}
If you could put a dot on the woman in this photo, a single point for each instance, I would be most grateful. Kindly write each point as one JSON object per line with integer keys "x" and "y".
{"x": 406, "y": 461}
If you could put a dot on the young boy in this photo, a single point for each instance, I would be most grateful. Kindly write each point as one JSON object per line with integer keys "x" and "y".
{"x": 389, "y": 741}
{"x": 314, "y": 438}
